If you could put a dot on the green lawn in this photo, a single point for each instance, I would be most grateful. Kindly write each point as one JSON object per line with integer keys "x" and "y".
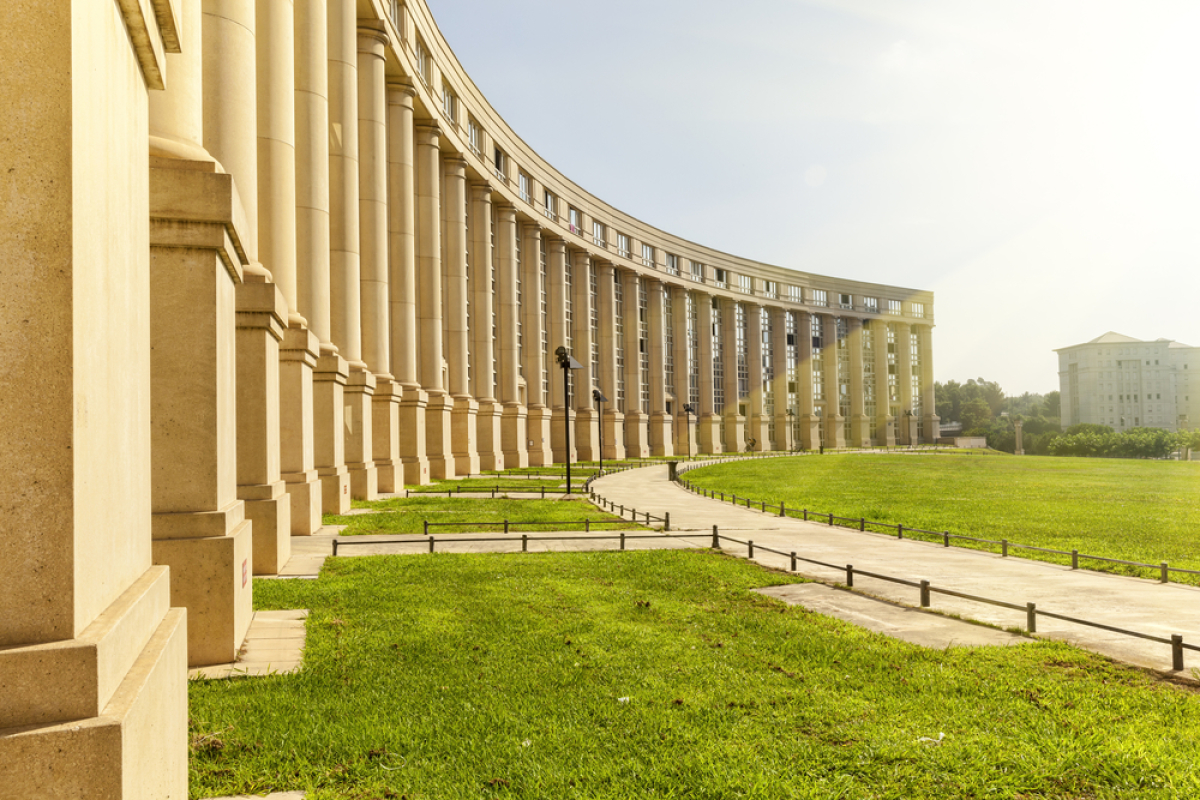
{"x": 658, "y": 674}
{"x": 408, "y": 515}
{"x": 1146, "y": 511}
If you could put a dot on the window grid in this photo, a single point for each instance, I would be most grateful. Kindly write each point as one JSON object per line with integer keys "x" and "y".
{"x": 648, "y": 256}
{"x": 622, "y": 245}
{"x": 523, "y": 187}
{"x": 671, "y": 267}
{"x": 718, "y": 362}
{"x": 893, "y": 373}
{"x": 548, "y": 205}
{"x": 495, "y": 316}
{"x": 820, "y": 297}
{"x": 668, "y": 318}
{"x": 743, "y": 368}
{"x": 569, "y": 291}
{"x": 475, "y": 137}
{"x": 768, "y": 371}
{"x": 793, "y": 366}
{"x": 915, "y": 350}
{"x": 544, "y": 304}
{"x": 598, "y": 233}
{"x": 843, "y": 376}
{"x": 868, "y": 359}
{"x": 448, "y": 102}
{"x": 697, "y": 272}
{"x": 693, "y": 366}
{"x": 619, "y": 335}
{"x": 595, "y": 325}
{"x": 795, "y": 294}
{"x": 644, "y": 344}
{"x": 720, "y": 278}
{"x": 816, "y": 330}
{"x": 520, "y": 304}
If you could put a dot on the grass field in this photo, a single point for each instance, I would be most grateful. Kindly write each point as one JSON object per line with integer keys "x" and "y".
{"x": 658, "y": 674}
{"x": 1146, "y": 511}
{"x": 407, "y": 514}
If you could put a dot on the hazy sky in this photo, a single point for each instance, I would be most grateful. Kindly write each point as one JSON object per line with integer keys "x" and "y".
{"x": 1035, "y": 163}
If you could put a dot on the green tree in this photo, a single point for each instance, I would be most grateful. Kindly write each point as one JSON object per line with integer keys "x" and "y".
{"x": 975, "y": 414}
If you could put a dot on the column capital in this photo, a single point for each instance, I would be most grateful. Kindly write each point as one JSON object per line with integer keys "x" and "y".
{"x": 481, "y": 190}
{"x": 506, "y": 211}
{"x": 455, "y": 161}
{"x": 372, "y": 38}
{"x": 401, "y": 91}
{"x": 556, "y": 243}
{"x": 428, "y": 132}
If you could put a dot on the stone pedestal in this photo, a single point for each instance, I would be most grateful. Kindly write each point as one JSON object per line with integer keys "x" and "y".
{"x": 637, "y": 435}
{"x": 587, "y": 431}
{"x": 835, "y": 431}
{"x": 558, "y": 435}
{"x": 885, "y": 431}
{"x": 685, "y": 436}
{"x": 385, "y": 433}
{"x": 708, "y": 434}
{"x": 438, "y": 410}
{"x": 462, "y": 437}
{"x": 364, "y": 478}
{"x": 612, "y": 443}
{"x": 908, "y": 430}
{"x": 512, "y": 436}
{"x": 735, "y": 433}
{"x": 758, "y": 428}
{"x": 537, "y": 429}
{"x": 810, "y": 431}
{"x": 490, "y": 440}
{"x": 297, "y": 359}
{"x": 413, "y": 402}
{"x": 783, "y": 433}
{"x": 662, "y": 441}
{"x": 933, "y": 431}
{"x": 329, "y": 384}
{"x": 860, "y": 431}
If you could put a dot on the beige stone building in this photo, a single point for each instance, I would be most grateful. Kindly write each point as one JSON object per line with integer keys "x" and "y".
{"x": 263, "y": 256}
{"x": 1125, "y": 383}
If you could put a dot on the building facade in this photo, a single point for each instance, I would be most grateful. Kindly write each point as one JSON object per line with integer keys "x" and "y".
{"x": 1124, "y": 383}
{"x": 263, "y": 256}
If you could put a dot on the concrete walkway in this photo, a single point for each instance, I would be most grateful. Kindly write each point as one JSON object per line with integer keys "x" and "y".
{"x": 1130, "y": 603}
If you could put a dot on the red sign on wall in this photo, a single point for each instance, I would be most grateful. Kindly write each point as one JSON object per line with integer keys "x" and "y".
{"x": 245, "y": 573}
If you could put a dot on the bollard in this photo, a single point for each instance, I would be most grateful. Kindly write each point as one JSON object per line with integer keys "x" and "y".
{"x": 750, "y": 546}
{"x": 781, "y": 510}
{"x": 850, "y": 575}
{"x": 524, "y": 542}
{"x": 793, "y": 561}
{"x": 494, "y": 492}
{"x": 426, "y": 527}
{"x": 764, "y": 506}
{"x": 1004, "y": 548}
{"x": 862, "y": 523}
{"x": 587, "y": 526}
{"x": 831, "y": 519}
{"x": 1176, "y": 652}
{"x": 806, "y": 515}
{"x": 1164, "y": 577}
{"x": 735, "y": 499}
{"x": 622, "y": 540}
{"x": 945, "y": 538}
{"x": 667, "y": 521}
{"x": 924, "y": 594}
{"x": 647, "y": 519}
{"x": 431, "y": 541}
{"x": 506, "y": 526}
{"x": 543, "y": 491}
{"x": 900, "y": 530}
{"x": 335, "y": 547}
{"x": 622, "y": 510}
{"x": 1074, "y": 559}
{"x": 1031, "y": 617}
{"x": 716, "y": 539}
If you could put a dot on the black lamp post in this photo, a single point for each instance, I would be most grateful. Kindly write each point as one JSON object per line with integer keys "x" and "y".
{"x": 689, "y": 409}
{"x": 567, "y": 363}
{"x": 600, "y": 401}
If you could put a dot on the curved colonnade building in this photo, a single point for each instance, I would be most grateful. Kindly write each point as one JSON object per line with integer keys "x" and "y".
{"x": 332, "y": 271}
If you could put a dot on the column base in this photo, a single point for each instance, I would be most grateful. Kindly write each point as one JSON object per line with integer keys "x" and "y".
{"x": 537, "y": 429}
{"x": 587, "y": 447}
{"x": 658, "y": 432}
{"x": 335, "y": 490}
{"x": 860, "y": 431}
{"x": 708, "y": 434}
{"x": 612, "y": 444}
{"x": 210, "y": 577}
{"x": 758, "y": 428}
{"x": 304, "y": 495}
{"x": 131, "y": 739}
{"x": 933, "y": 430}
{"x": 637, "y": 435}
{"x": 364, "y": 481}
{"x": 512, "y": 436}
{"x": 558, "y": 435}
{"x": 810, "y": 431}
{"x": 487, "y": 426}
{"x": 270, "y": 509}
{"x": 413, "y": 403}
{"x": 685, "y": 436}
{"x": 735, "y": 433}
{"x": 783, "y": 434}
{"x": 364, "y": 477}
{"x": 438, "y": 436}
{"x": 885, "y": 432}
{"x": 463, "y": 419}
{"x": 835, "y": 431}
{"x": 385, "y": 436}
{"x": 908, "y": 427}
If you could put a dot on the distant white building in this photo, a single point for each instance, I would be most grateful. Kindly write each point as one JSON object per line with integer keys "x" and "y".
{"x": 1124, "y": 383}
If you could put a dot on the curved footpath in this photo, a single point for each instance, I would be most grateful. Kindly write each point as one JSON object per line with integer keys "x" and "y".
{"x": 1133, "y": 604}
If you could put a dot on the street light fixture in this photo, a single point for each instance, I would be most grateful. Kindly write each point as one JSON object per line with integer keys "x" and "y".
{"x": 688, "y": 410}
{"x": 600, "y": 400}
{"x": 567, "y": 363}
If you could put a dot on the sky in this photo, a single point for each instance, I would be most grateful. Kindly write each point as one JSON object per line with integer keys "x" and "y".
{"x": 1034, "y": 163}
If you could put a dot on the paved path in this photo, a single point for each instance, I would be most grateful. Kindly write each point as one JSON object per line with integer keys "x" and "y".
{"x": 1123, "y": 602}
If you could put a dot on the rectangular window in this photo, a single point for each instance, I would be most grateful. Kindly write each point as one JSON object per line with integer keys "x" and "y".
{"x": 893, "y": 306}
{"x": 598, "y": 233}
{"x": 421, "y": 56}
{"x": 871, "y": 304}
{"x": 719, "y": 278}
{"x": 846, "y": 301}
{"x": 499, "y": 163}
{"x": 548, "y": 208}
{"x": 648, "y": 256}
{"x": 796, "y": 294}
{"x": 449, "y": 102}
{"x": 622, "y": 245}
{"x": 918, "y": 309}
{"x": 770, "y": 288}
{"x": 819, "y": 297}
{"x": 523, "y": 187}
{"x": 697, "y": 272}
{"x": 671, "y": 267}
{"x": 575, "y": 224}
{"x": 746, "y": 284}
{"x": 475, "y": 136}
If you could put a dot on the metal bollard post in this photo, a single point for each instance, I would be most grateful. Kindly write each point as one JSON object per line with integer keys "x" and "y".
{"x": 900, "y": 530}
{"x": 426, "y": 527}
{"x": 431, "y": 541}
{"x": 945, "y": 538}
{"x": 622, "y": 510}
{"x": 667, "y": 521}
{"x": 1074, "y": 559}
{"x": 1031, "y": 617}
{"x": 850, "y": 575}
{"x": 622, "y": 540}
{"x": 716, "y": 539}
{"x": 781, "y": 509}
{"x": 806, "y": 515}
{"x": 524, "y": 542}
{"x": 924, "y": 594}
{"x": 734, "y": 499}
{"x": 750, "y": 545}
{"x": 831, "y": 519}
{"x": 1004, "y": 548}
{"x": 335, "y": 547}
{"x": 1176, "y": 652}
{"x": 543, "y": 491}
{"x": 1164, "y": 577}
{"x": 862, "y": 523}
{"x": 764, "y": 506}
{"x": 587, "y": 526}
{"x": 506, "y": 526}
{"x": 647, "y": 519}
{"x": 793, "y": 561}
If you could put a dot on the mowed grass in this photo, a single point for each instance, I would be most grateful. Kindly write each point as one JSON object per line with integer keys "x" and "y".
{"x": 1147, "y": 511}
{"x": 407, "y": 515}
{"x": 659, "y": 674}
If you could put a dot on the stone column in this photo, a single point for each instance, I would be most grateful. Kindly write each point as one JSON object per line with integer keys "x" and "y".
{"x": 402, "y": 283}
{"x": 458, "y": 351}
{"x": 685, "y": 439}
{"x": 537, "y": 423}
{"x": 429, "y": 308}
{"x": 586, "y": 418}
{"x": 928, "y": 400}
{"x": 907, "y": 422}
{"x": 708, "y": 422}
{"x": 636, "y": 432}
{"x": 92, "y": 655}
{"x": 834, "y": 422}
{"x": 779, "y": 380}
{"x": 885, "y": 424}
{"x": 758, "y": 427}
{"x": 661, "y": 441}
{"x": 483, "y": 375}
{"x": 734, "y": 420}
{"x": 613, "y": 419}
{"x": 860, "y": 426}
{"x": 810, "y": 434}
{"x": 512, "y": 423}
{"x": 562, "y": 414}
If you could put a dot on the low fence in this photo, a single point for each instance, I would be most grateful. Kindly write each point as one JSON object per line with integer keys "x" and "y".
{"x": 586, "y": 524}
{"x": 1003, "y": 546}
{"x": 622, "y": 537}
